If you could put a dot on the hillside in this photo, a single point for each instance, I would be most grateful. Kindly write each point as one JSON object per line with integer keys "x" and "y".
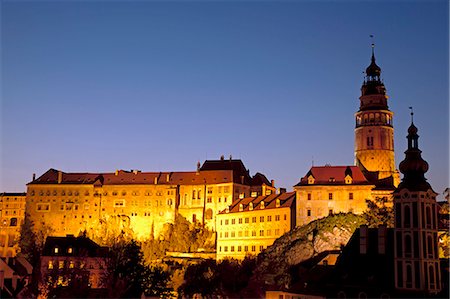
{"x": 302, "y": 243}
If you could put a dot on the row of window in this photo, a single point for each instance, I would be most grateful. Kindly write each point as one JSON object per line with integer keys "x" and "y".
{"x": 105, "y": 193}
{"x": 330, "y": 196}
{"x": 246, "y": 233}
{"x": 254, "y": 219}
{"x": 241, "y": 248}
{"x": 71, "y": 265}
{"x": 330, "y": 212}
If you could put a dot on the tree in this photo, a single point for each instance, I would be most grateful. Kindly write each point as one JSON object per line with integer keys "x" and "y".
{"x": 379, "y": 212}
{"x": 127, "y": 276}
{"x": 65, "y": 283}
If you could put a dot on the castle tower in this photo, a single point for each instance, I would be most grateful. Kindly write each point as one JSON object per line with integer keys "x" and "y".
{"x": 374, "y": 131}
{"x": 416, "y": 226}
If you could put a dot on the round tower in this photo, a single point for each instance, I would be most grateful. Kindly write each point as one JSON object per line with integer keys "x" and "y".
{"x": 374, "y": 130}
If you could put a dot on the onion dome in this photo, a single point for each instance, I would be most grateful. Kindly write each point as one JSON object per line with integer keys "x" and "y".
{"x": 413, "y": 166}
{"x": 373, "y": 70}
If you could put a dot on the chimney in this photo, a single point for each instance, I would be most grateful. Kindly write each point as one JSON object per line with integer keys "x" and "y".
{"x": 222, "y": 158}
{"x": 281, "y": 190}
{"x": 198, "y": 167}
{"x": 272, "y": 183}
{"x": 59, "y": 176}
{"x": 231, "y": 157}
{"x": 363, "y": 238}
{"x": 155, "y": 181}
{"x": 167, "y": 177}
{"x": 34, "y": 176}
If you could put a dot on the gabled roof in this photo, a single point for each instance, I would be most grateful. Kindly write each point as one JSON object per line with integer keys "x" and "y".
{"x": 286, "y": 200}
{"x": 81, "y": 246}
{"x": 334, "y": 175}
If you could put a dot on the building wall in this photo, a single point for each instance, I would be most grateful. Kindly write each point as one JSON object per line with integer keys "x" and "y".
{"x": 12, "y": 213}
{"x": 145, "y": 209}
{"x": 249, "y": 232}
{"x": 316, "y": 200}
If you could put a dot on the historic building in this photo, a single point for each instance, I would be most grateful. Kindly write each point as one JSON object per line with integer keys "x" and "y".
{"x": 140, "y": 202}
{"x": 332, "y": 189}
{"x": 12, "y": 213}
{"x": 374, "y": 129}
{"x": 249, "y": 225}
{"x": 417, "y": 266}
{"x": 64, "y": 256}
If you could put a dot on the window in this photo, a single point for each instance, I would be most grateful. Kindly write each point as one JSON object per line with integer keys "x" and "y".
{"x": 269, "y": 218}
{"x": 246, "y": 220}
{"x": 239, "y": 249}
{"x": 261, "y": 248}
{"x": 330, "y": 212}
{"x": 308, "y": 213}
{"x": 350, "y": 195}
{"x": 309, "y": 196}
{"x": 277, "y": 217}
{"x": 277, "y": 232}
{"x": 246, "y": 248}
{"x": 69, "y": 250}
{"x": 232, "y": 249}
{"x": 226, "y": 189}
{"x": 61, "y": 264}
{"x": 261, "y": 233}
{"x": 209, "y": 214}
{"x": 61, "y": 207}
{"x": 13, "y": 222}
{"x": 210, "y": 190}
{"x": 226, "y": 234}
{"x": 240, "y": 234}
{"x": 233, "y": 221}
{"x": 43, "y": 207}
{"x": 240, "y": 220}
{"x": 269, "y": 232}
{"x": 226, "y": 221}
{"x": 246, "y": 233}
{"x": 233, "y": 234}
{"x": 193, "y": 194}
{"x": 253, "y": 233}
{"x": 71, "y": 264}
{"x": 209, "y": 199}
{"x": 50, "y": 264}
{"x": 253, "y": 248}
{"x": 261, "y": 219}
{"x": 253, "y": 219}
{"x": 225, "y": 249}
{"x": 285, "y": 217}
{"x": 330, "y": 196}
{"x": 119, "y": 203}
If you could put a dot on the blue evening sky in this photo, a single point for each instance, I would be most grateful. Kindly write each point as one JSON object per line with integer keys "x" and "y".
{"x": 94, "y": 86}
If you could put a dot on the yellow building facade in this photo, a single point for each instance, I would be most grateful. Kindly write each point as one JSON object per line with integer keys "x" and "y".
{"x": 250, "y": 225}
{"x": 142, "y": 203}
{"x": 12, "y": 213}
{"x": 329, "y": 190}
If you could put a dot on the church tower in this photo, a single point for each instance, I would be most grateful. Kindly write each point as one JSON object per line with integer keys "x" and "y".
{"x": 416, "y": 256}
{"x": 374, "y": 131}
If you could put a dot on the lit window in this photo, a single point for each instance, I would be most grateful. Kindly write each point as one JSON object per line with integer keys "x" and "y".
{"x": 69, "y": 250}
{"x": 71, "y": 264}
{"x": 61, "y": 264}
{"x": 50, "y": 264}
{"x": 56, "y": 250}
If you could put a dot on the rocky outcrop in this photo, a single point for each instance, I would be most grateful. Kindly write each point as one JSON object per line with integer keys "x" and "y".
{"x": 302, "y": 243}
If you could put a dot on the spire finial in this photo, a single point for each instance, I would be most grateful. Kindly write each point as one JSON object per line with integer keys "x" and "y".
{"x": 412, "y": 114}
{"x": 373, "y": 47}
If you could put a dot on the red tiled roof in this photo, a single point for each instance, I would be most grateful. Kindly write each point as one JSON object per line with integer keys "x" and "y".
{"x": 334, "y": 175}
{"x": 286, "y": 200}
{"x": 129, "y": 177}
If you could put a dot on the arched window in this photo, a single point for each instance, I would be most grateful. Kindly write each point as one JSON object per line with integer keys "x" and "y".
{"x": 408, "y": 245}
{"x": 193, "y": 194}
{"x": 209, "y": 214}
{"x": 406, "y": 216}
{"x": 428, "y": 212}
{"x": 431, "y": 277}
{"x": 409, "y": 276}
{"x": 430, "y": 249}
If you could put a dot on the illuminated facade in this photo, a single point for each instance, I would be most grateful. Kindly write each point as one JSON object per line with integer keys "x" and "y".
{"x": 327, "y": 190}
{"x": 374, "y": 129}
{"x": 252, "y": 224}
{"x": 142, "y": 202}
{"x": 12, "y": 213}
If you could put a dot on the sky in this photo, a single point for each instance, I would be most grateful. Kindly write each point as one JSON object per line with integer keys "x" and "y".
{"x": 95, "y": 86}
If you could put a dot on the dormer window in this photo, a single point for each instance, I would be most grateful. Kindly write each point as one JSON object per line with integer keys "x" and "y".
{"x": 227, "y": 210}
{"x": 348, "y": 179}
{"x": 332, "y": 180}
{"x": 277, "y": 203}
{"x": 70, "y": 250}
{"x": 262, "y": 205}
{"x": 250, "y": 206}
{"x": 56, "y": 250}
{"x": 310, "y": 180}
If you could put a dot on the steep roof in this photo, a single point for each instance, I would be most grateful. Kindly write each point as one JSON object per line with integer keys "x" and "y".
{"x": 240, "y": 173}
{"x": 334, "y": 175}
{"x": 81, "y": 246}
{"x": 286, "y": 200}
